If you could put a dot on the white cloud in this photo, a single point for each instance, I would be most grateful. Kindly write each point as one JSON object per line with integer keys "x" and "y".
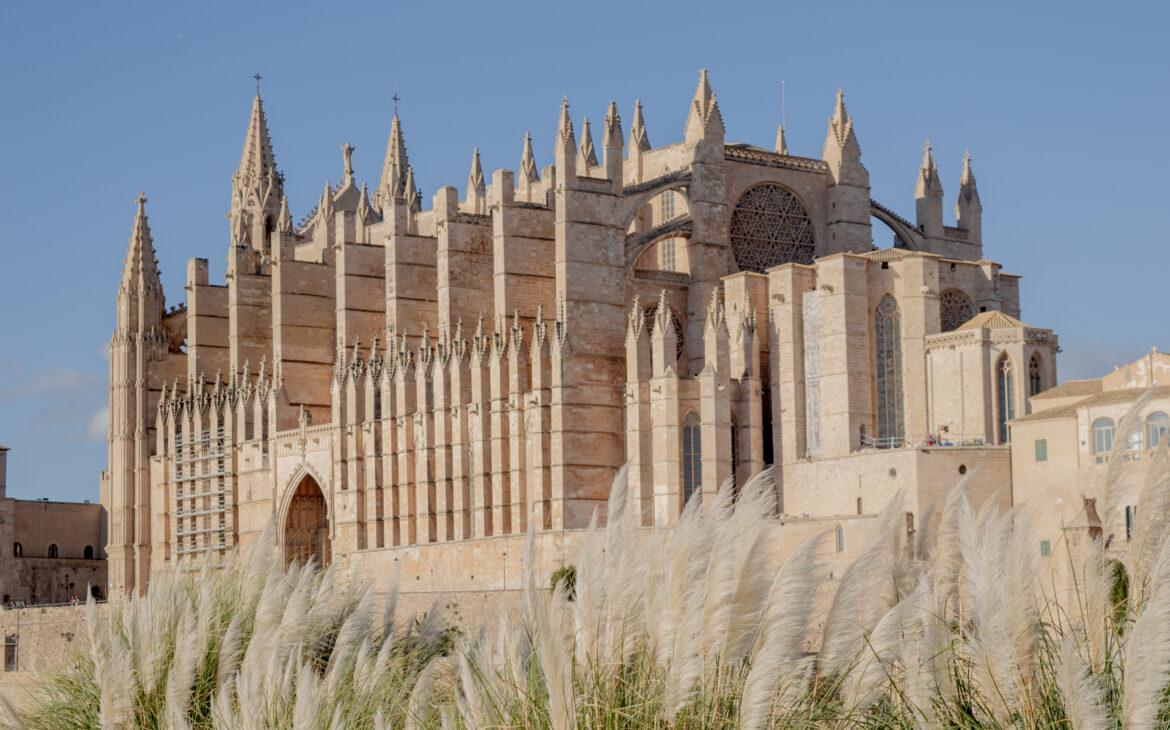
{"x": 58, "y": 381}
{"x": 99, "y": 424}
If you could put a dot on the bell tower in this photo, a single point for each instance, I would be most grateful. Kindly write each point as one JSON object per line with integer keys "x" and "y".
{"x": 257, "y": 189}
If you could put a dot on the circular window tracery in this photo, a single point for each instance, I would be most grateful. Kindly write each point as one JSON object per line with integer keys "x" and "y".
{"x": 651, "y": 312}
{"x": 770, "y": 227}
{"x": 955, "y": 309}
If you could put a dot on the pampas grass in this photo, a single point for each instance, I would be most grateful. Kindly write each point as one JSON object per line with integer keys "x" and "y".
{"x": 700, "y": 626}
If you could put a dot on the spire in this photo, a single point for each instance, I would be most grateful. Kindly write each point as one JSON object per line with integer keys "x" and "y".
{"x": 968, "y": 209}
{"x": 638, "y": 138}
{"x": 781, "y": 141}
{"x": 704, "y": 115}
{"x": 141, "y": 270}
{"x": 475, "y": 182}
{"x": 284, "y": 222}
{"x": 413, "y": 198}
{"x": 257, "y": 159}
{"x": 528, "y": 172}
{"x": 565, "y": 126}
{"x": 565, "y": 148}
{"x": 612, "y": 138}
{"x": 394, "y": 168}
{"x": 928, "y": 182}
{"x": 586, "y": 155}
{"x": 842, "y": 153}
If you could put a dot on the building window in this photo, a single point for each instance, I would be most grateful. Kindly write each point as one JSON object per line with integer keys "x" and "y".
{"x": 1045, "y": 549}
{"x": 954, "y": 309}
{"x": 666, "y": 207}
{"x": 1130, "y": 516}
{"x": 668, "y": 255}
{"x": 651, "y": 312}
{"x": 887, "y": 327}
{"x": 53, "y": 550}
{"x": 1005, "y": 381}
{"x": 1156, "y": 427}
{"x": 1034, "y": 384}
{"x": 770, "y": 227}
{"x": 812, "y": 374}
{"x": 1041, "y": 449}
{"x": 17, "y": 550}
{"x": 88, "y": 552}
{"x": 692, "y": 456}
{"x": 1102, "y": 435}
{"x": 840, "y": 539}
{"x": 734, "y": 455}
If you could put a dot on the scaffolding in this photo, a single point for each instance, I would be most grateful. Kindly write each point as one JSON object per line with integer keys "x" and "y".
{"x": 200, "y": 509}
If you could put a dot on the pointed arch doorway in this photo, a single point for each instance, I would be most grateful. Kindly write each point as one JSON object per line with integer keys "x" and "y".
{"x": 306, "y": 525}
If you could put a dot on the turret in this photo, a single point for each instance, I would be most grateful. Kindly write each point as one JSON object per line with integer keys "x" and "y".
{"x": 849, "y": 227}
{"x": 565, "y": 149}
{"x": 476, "y": 188}
{"x": 928, "y": 196}
{"x": 704, "y": 122}
{"x": 611, "y": 145}
{"x": 138, "y": 342}
{"x": 257, "y": 188}
{"x": 968, "y": 209}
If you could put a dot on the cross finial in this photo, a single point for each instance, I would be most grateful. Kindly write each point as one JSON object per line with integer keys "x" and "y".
{"x": 257, "y": 77}
{"x": 396, "y": 99}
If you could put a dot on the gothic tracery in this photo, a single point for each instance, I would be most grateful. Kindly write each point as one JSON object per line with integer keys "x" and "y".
{"x": 954, "y": 309}
{"x": 770, "y": 227}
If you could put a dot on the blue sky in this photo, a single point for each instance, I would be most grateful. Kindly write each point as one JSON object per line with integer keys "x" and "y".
{"x": 1063, "y": 107}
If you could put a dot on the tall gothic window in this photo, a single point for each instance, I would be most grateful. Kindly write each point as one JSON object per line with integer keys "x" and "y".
{"x": 666, "y": 207}
{"x": 692, "y": 456}
{"x": 1005, "y": 389}
{"x": 1034, "y": 384}
{"x": 667, "y": 249}
{"x": 812, "y": 374}
{"x": 734, "y": 454}
{"x": 1156, "y": 427}
{"x": 954, "y": 309}
{"x": 770, "y": 227}
{"x": 887, "y": 328}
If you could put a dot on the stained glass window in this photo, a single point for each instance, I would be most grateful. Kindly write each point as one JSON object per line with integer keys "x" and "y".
{"x": 954, "y": 309}
{"x": 1006, "y": 396}
{"x": 666, "y": 207}
{"x": 770, "y": 227}
{"x": 692, "y": 456}
{"x": 887, "y": 324}
{"x": 1034, "y": 384}
{"x": 668, "y": 255}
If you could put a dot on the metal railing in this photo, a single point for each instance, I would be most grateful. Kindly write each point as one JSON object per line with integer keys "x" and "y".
{"x": 934, "y": 440}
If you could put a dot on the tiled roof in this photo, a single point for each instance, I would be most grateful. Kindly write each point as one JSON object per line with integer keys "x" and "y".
{"x": 991, "y": 320}
{"x": 1071, "y": 388}
{"x": 1121, "y": 395}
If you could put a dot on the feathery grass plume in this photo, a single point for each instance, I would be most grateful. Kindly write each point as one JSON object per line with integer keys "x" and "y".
{"x": 1152, "y": 523}
{"x": 1083, "y": 700}
{"x": 420, "y": 696}
{"x": 944, "y": 551}
{"x": 867, "y": 590}
{"x": 1119, "y": 486}
{"x": 556, "y": 662}
{"x": 1147, "y": 662}
{"x": 782, "y": 633}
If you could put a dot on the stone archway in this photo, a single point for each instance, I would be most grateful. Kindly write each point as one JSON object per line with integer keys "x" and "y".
{"x": 306, "y": 525}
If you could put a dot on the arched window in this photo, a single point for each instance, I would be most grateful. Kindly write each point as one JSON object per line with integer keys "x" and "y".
{"x": 88, "y": 552}
{"x": 840, "y": 534}
{"x": 954, "y": 309}
{"x": 1156, "y": 426}
{"x": 17, "y": 550}
{"x": 1034, "y": 383}
{"x": 887, "y": 329}
{"x": 692, "y": 456}
{"x": 734, "y": 454}
{"x": 770, "y": 227}
{"x": 1005, "y": 392}
{"x": 1102, "y": 435}
{"x": 651, "y": 312}
{"x": 53, "y": 550}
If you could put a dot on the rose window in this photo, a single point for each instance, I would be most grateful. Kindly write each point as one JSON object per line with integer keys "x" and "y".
{"x": 770, "y": 227}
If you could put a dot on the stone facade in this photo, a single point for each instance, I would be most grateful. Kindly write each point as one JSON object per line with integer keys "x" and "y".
{"x": 50, "y": 552}
{"x": 1081, "y": 457}
{"x": 393, "y": 384}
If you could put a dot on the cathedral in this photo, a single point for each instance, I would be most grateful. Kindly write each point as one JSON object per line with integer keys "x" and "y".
{"x": 400, "y": 384}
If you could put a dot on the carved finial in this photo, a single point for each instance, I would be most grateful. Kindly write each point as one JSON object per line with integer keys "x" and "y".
{"x": 639, "y": 139}
{"x": 347, "y": 155}
{"x": 586, "y": 155}
{"x": 528, "y": 171}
